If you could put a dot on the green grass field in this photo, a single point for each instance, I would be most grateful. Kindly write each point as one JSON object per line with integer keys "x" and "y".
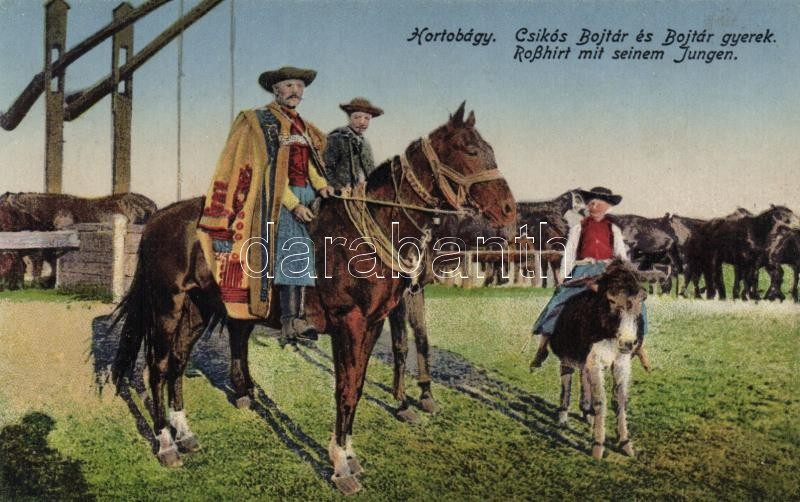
{"x": 718, "y": 418}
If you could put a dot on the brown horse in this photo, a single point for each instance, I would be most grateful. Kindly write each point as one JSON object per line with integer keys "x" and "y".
{"x": 174, "y": 298}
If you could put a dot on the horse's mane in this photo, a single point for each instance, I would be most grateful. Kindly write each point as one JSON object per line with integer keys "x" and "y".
{"x": 380, "y": 174}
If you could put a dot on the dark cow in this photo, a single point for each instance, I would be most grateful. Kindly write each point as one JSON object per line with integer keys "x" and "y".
{"x": 784, "y": 250}
{"x": 596, "y": 330}
{"x": 652, "y": 244}
{"x": 742, "y": 242}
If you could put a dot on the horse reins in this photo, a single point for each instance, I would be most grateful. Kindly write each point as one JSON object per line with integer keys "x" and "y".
{"x": 442, "y": 174}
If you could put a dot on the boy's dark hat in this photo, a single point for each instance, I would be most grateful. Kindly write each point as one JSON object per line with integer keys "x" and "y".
{"x": 601, "y": 193}
{"x": 361, "y": 105}
{"x": 272, "y": 77}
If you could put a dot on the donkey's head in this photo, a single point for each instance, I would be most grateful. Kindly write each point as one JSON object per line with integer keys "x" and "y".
{"x": 620, "y": 284}
{"x": 470, "y": 174}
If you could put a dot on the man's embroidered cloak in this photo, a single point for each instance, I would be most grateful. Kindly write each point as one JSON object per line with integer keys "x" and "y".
{"x": 245, "y": 196}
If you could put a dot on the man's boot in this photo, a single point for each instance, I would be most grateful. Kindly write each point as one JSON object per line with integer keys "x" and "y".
{"x": 305, "y": 329}
{"x": 541, "y": 352}
{"x": 294, "y": 326}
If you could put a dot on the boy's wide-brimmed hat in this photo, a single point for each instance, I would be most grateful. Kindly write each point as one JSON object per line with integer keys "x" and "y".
{"x": 361, "y": 105}
{"x": 601, "y": 193}
{"x": 272, "y": 77}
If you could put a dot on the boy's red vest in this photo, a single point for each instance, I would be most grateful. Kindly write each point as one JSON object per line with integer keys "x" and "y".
{"x": 597, "y": 240}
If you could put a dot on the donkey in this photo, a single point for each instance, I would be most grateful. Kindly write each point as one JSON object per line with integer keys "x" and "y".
{"x": 596, "y": 330}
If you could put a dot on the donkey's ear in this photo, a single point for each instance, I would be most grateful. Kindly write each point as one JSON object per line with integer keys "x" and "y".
{"x": 470, "y": 119}
{"x": 458, "y": 118}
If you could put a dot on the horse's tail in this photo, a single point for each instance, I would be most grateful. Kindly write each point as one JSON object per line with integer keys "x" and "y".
{"x": 136, "y": 316}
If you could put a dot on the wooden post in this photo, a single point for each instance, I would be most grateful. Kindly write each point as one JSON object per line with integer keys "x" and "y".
{"x": 121, "y": 104}
{"x": 55, "y": 39}
{"x": 118, "y": 269}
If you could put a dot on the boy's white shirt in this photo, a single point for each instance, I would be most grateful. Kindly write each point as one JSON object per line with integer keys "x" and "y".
{"x": 574, "y": 238}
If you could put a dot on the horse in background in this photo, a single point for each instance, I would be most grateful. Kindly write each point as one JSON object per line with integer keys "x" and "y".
{"x": 596, "y": 330}
{"x": 784, "y": 250}
{"x": 548, "y": 222}
{"x": 651, "y": 242}
{"x": 742, "y": 242}
{"x": 46, "y": 212}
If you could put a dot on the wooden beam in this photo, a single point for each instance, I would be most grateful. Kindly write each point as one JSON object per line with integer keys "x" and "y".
{"x": 67, "y": 239}
{"x": 80, "y": 101}
{"x": 22, "y": 105}
{"x": 55, "y": 38}
{"x": 121, "y": 105}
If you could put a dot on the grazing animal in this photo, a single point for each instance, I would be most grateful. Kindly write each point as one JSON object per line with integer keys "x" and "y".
{"x": 597, "y": 330}
{"x": 12, "y": 268}
{"x": 651, "y": 242}
{"x": 50, "y": 211}
{"x": 683, "y": 229}
{"x": 742, "y": 242}
{"x": 173, "y": 297}
{"x": 784, "y": 250}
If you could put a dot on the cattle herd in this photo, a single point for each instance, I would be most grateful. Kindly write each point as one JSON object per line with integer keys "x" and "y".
{"x": 669, "y": 247}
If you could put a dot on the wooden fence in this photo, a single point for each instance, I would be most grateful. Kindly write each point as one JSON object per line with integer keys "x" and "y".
{"x": 89, "y": 254}
{"x": 106, "y": 257}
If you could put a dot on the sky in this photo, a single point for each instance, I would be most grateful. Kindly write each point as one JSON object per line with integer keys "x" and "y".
{"x": 691, "y": 138}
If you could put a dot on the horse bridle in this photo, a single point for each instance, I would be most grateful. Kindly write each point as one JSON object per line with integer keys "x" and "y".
{"x": 443, "y": 175}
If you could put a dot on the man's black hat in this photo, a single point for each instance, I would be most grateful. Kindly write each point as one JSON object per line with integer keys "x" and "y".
{"x": 601, "y": 193}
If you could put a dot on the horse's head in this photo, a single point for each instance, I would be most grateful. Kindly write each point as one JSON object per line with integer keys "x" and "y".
{"x": 620, "y": 284}
{"x": 782, "y": 216}
{"x": 578, "y": 204}
{"x": 468, "y": 173}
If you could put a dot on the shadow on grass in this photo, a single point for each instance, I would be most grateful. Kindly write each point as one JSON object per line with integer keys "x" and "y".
{"x": 452, "y": 370}
{"x": 211, "y": 356}
{"x": 30, "y": 468}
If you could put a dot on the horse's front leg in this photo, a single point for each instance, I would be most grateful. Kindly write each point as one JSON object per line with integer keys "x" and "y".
{"x": 352, "y": 345}
{"x": 397, "y": 324}
{"x": 622, "y": 379}
{"x": 737, "y": 293}
{"x": 595, "y": 373}
{"x": 239, "y": 336}
{"x": 415, "y": 312}
{"x": 566, "y": 390}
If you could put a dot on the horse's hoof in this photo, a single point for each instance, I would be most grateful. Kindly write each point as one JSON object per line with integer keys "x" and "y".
{"x": 597, "y": 452}
{"x": 170, "y": 457}
{"x": 348, "y": 485}
{"x": 407, "y": 415}
{"x": 188, "y": 444}
{"x": 243, "y": 403}
{"x": 627, "y": 448}
{"x": 563, "y": 418}
{"x": 428, "y": 405}
{"x": 355, "y": 466}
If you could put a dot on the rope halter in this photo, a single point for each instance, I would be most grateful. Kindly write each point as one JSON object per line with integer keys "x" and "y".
{"x": 444, "y": 175}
